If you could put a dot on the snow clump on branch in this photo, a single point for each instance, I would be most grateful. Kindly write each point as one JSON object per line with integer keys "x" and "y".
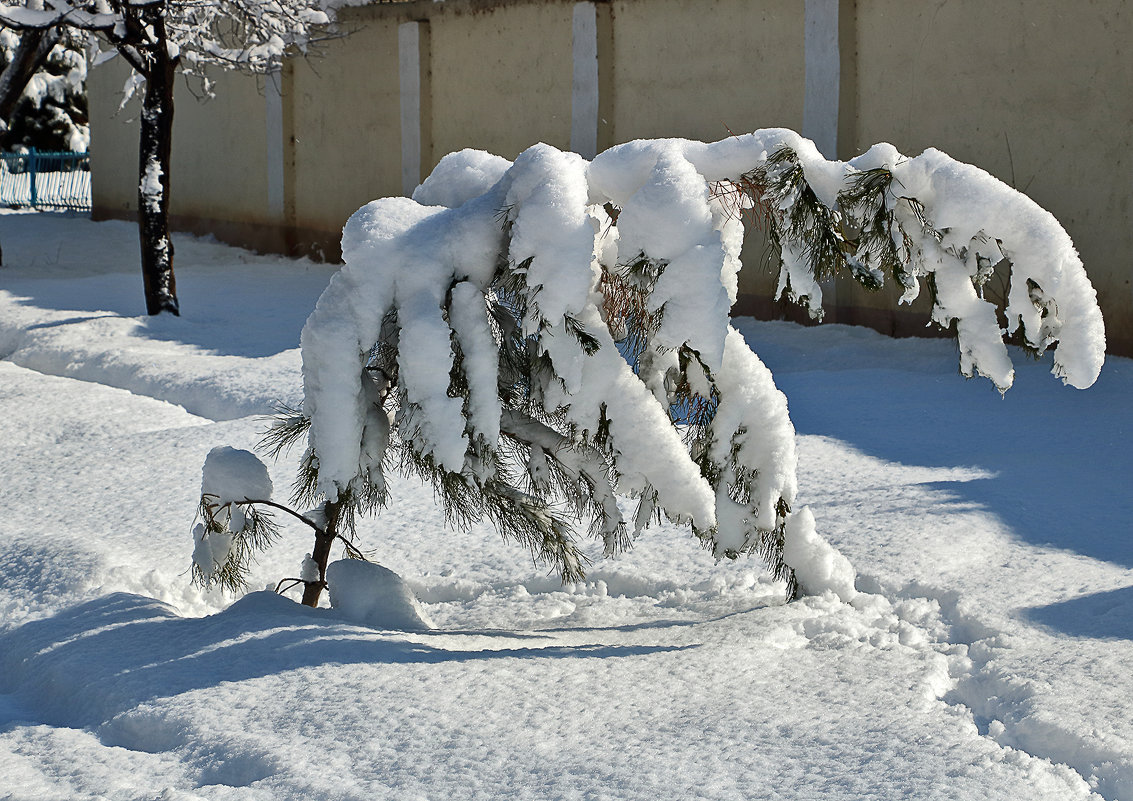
{"x": 231, "y": 527}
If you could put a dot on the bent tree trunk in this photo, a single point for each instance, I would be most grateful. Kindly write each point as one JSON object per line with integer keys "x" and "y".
{"x": 154, "y": 154}
{"x": 321, "y": 553}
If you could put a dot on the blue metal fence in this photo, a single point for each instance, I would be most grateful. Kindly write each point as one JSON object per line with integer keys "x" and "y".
{"x": 45, "y": 180}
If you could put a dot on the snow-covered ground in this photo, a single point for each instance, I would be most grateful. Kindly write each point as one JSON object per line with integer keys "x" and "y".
{"x": 988, "y": 658}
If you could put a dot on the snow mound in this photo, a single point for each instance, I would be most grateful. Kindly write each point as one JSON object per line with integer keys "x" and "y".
{"x": 367, "y": 593}
{"x": 818, "y": 566}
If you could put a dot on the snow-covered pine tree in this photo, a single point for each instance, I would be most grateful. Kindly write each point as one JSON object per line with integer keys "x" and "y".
{"x": 538, "y": 339}
{"x": 43, "y": 101}
{"x": 160, "y": 39}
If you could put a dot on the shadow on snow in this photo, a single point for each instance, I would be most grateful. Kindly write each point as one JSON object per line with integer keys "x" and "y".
{"x": 1060, "y": 456}
{"x": 1101, "y": 615}
{"x": 93, "y": 661}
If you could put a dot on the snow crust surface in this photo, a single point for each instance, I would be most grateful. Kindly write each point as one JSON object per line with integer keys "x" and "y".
{"x": 984, "y": 655}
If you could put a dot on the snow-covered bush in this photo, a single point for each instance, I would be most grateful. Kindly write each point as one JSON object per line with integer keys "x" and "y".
{"x": 538, "y": 339}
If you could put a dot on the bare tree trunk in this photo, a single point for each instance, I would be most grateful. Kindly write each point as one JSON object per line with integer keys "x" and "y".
{"x": 31, "y": 54}
{"x": 321, "y": 554}
{"x": 154, "y": 153}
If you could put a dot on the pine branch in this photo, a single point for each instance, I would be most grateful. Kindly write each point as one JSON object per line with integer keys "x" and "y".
{"x": 585, "y": 475}
{"x": 287, "y": 427}
{"x": 801, "y": 217}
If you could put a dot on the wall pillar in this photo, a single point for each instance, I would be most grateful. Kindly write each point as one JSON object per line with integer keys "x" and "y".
{"x": 830, "y": 104}
{"x": 584, "y": 87}
{"x": 413, "y": 48}
{"x": 273, "y": 107}
{"x": 823, "y": 75}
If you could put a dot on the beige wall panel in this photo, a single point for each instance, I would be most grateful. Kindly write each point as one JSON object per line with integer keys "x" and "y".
{"x": 219, "y": 165}
{"x": 219, "y": 152}
{"x": 1051, "y": 79}
{"x": 113, "y": 142}
{"x": 698, "y": 70}
{"x": 347, "y": 125}
{"x": 501, "y": 77}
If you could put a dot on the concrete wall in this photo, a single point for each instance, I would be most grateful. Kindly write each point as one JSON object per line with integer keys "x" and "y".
{"x": 219, "y": 157}
{"x": 501, "y": 78}
{"x": 1034, "y": 92}
{"x": 342, "y": 126}
{"x": 701, "y": 70}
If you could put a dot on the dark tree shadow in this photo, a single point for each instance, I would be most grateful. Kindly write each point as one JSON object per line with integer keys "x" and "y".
{"x": 253, "y": 312}
{"x": 1061, "y": 458}
{"x": 1101, "y": 615}
{"x": 93, "y": 661}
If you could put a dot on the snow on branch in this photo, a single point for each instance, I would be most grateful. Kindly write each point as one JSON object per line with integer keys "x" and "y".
{"x": 538, "y": 338}
{"x": 884, "y": 215}
{"x": 232, "y": 34}
{"x": 231, "y": 528}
